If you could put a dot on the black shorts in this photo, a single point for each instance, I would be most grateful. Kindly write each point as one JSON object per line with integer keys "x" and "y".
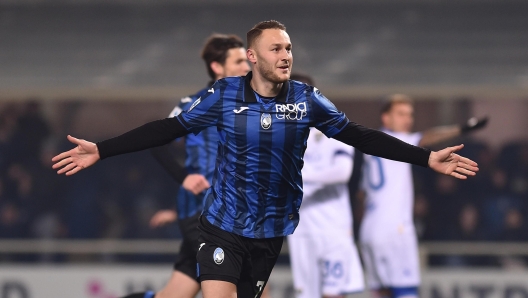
{"x": 186, "y": 261}
{"x": 243, "y": 261}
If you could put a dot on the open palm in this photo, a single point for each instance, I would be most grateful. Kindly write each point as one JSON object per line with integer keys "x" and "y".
{"x": 447, "y": 162}
{"x": 82, "y": 156}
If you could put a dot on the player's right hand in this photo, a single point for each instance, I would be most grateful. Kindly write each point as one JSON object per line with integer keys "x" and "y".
{"x": 76, "y": 159}
{"x": 195, "y": 183}
{"x": 162, "y": 218}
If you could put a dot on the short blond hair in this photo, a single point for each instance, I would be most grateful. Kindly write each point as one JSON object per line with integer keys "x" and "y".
{"x": 256, "y": 31}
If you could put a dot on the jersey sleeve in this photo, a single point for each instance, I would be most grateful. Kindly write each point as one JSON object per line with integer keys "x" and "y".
{"x": 374, "y": 142}
{"x": 205, "y": 111}
{"x": 152, "y": 134}
{"x": 326, "y": 117}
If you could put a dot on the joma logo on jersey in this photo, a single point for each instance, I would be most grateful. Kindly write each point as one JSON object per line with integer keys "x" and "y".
{"x": 291, "y": 111}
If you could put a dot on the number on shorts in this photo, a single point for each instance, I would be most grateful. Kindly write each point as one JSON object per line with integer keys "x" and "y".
{"x": 332, "y": 269}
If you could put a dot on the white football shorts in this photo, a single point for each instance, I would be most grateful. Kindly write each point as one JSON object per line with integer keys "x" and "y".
{"x": 391, "y": 261}
{"x": 325, "y": 265}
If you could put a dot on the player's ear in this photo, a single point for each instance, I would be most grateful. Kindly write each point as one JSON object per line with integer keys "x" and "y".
{"x": 252, "y": 57}
{"x": 217, "y": 68}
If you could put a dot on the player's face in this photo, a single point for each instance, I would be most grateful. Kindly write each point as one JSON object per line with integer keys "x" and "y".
{"x": 273, "y": 57}
{"x": 400, "y": 118}
{"x": 235, "y": 64}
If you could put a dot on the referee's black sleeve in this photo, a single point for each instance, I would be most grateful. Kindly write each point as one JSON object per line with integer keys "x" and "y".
{"x": 375, "y": 142}
{"x": 152, "y": 134}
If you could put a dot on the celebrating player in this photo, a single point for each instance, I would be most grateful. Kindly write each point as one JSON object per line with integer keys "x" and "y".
{"x": 389, "y": 245}
{"x": 263, "y": 120}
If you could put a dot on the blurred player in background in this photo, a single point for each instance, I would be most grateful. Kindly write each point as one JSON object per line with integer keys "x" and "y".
{"x": 224, "y": 56}
{"x": 324, "y": 259}
{"x": 389, "y": 245}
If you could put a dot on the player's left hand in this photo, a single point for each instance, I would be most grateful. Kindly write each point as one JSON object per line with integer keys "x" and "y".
{"x": 195, "y": 183}
{"x": 447, "y": 162}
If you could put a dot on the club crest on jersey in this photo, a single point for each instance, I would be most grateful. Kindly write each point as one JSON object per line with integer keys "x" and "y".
{"x": 195, "y": 104}
{"x": 291, "y": 111}
{"x": 265, "y": 120}
{"x": 218, "y": 256}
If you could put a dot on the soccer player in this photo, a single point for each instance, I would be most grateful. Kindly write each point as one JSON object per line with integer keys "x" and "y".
{"x": 324, "y": 259}
{"x": 388, "y": 241}
{"x": 263, "y": 120}
{"x": 224, "y": 56}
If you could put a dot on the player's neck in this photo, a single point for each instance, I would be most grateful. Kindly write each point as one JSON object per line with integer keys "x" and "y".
{"x": 264, "y": 87}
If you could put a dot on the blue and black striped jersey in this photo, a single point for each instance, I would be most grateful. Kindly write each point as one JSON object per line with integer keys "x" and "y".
{"x": 257, "y": 185}
{"x": 201, "y": 150}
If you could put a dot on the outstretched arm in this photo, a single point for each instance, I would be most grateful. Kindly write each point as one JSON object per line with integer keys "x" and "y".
{"x": 334, "y": 123}
{"x": 439, "y": 134}
{"x": 377, "y": 143}
{"x": 87, "y": 153}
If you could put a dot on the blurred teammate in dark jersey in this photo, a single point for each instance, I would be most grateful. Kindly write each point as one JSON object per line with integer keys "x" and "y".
{"x": 224, "y": 56}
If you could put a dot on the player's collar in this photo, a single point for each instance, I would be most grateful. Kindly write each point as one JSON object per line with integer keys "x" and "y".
{"x": 249, "y": 96}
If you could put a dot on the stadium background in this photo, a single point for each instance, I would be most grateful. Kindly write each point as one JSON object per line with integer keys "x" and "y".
{"x": 97, "y": 68}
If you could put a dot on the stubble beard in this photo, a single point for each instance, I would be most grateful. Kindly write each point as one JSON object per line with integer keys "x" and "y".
{"x": 266, "y": 71}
